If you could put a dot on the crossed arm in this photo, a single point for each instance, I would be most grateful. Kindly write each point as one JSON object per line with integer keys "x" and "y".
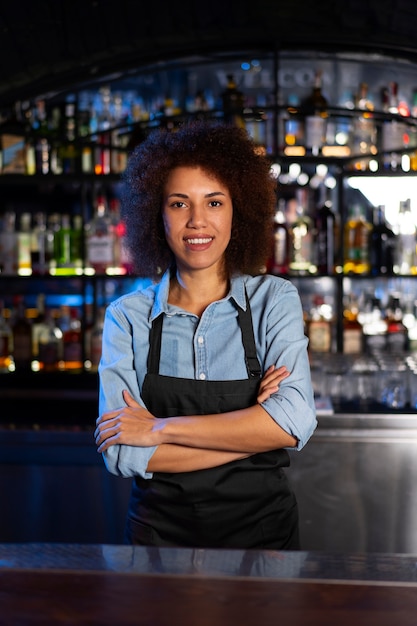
{"x": 197, "y": 441}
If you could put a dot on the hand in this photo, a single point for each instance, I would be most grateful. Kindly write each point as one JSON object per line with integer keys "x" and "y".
{"x": 270, "y": 382}
{"x": 132, "y": 425}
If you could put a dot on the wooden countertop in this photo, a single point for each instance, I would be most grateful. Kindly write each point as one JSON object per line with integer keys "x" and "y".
{"x": 117, "y": 585}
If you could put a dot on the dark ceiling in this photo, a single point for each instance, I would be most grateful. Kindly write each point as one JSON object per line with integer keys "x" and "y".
{"x": 50, "y": 45}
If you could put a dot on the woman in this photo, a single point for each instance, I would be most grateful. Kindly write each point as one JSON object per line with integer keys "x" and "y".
{"x": 204, "y": 377}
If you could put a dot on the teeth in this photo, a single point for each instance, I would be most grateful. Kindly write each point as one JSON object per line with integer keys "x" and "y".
{"x": 200, "y": 240}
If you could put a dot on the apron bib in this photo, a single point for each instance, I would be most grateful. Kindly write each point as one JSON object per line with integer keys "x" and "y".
{"x": 242, "y": 504}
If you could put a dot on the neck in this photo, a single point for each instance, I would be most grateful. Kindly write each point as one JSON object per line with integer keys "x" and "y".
{"x": 194, "y": 293}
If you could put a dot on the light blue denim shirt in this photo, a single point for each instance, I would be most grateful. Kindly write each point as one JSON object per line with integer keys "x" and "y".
{"x": 207, "y": 348}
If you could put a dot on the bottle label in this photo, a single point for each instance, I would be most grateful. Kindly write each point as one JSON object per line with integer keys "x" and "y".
{"x": 315, "y": 131}
{"x": 352, "y": 341}
{"x": 100, "y": 250}
{"x": 320, "y": 336}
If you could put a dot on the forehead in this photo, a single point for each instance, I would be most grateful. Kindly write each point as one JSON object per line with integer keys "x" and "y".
{"x": 193, "y": 176}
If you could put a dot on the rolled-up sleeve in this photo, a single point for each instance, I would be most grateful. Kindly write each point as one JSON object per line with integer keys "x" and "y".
{"x": 117, "y": 372}
{"x": 292, "y": 406}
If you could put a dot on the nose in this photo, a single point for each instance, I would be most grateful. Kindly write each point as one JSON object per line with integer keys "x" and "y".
{"x": 197, "y": 217}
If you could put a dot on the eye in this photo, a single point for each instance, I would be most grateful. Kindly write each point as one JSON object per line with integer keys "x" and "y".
{"x": 215, "y": 203}
{"x": 178, "y": 204}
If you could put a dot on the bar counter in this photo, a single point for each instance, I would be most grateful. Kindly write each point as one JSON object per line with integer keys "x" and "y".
{"x": 116, "y": 584}
{"x": 355, "y": 483}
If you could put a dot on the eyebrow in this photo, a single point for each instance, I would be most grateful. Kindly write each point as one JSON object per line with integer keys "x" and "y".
{"x": 208, "y": 195}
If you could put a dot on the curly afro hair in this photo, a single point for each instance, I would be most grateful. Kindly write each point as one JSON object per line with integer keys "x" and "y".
{"x": 227, "y": 153}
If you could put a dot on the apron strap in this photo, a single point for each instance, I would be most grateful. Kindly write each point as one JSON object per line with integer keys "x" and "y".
{"x": 245, "y": 322}
{"x": 248, "y": 338}
{"x": 154, "y": 353}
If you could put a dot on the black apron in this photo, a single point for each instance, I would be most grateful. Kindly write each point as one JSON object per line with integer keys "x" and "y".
{"x": 243, "y": 504}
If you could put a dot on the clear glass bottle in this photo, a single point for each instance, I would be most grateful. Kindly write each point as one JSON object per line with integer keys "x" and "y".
{"x": 280, "y": 241}
{"x": 99, "y": 238}
{"x": 315, "y": 110}
{"x": 406, "y": 255}
{"x": 374, "y": 327}
{"x": 24, "y": 237}
{"x": 50, "y": 344}
{"x": 397, "y": 333}
{"x": 364, "y": 131}
{"x": 301, "y": 238}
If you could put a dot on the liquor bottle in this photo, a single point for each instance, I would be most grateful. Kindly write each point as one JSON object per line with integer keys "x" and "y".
{"x": 70, "y": 325}
{"x": 6, "y": 341}
{"x": 22, "y": 336}
{"x": 301, "y": 238}
{"x": 352, "y": 328}
{"x": 68, "y": 246}
{"x": 325, "y": 232}
{"x": 8, "y": 245}
{"x": 99, "y": 238}
{"x": 319, "y": 326}
{"x": 382, "y": 244}
{"x": 24, "y": 261}
{"x": 42, "y": 145}
{"x": 77, "y": 244}
{"x": 406, "y": 257}
{"x": 233, "y": 103}
{"x": 83, "y": 131}
{"x": 374, "y": 327}
{"x": 50, "y": 344}
{"x": 357, "y": 231}
{"x": 69, "y": 155}
{"x": 40, "y": 253}
{"x": 393, "y": 130}
{"x": 291, "y": 128}
{"x": 117, "y": 228}
{"x": 52, "y": 243}
{"x": 63, "y": 261}
{"x": 364, "y": 133}
{"x": 315, "y": 110}
{"x": 38, "y": 323}
{"x": 280, "y": 241}
{"x": 397, "y": 333}
{"x": 413, "y": 133}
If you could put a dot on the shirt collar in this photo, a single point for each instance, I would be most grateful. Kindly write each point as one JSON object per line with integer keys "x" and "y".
{"x": 237, "y": 293}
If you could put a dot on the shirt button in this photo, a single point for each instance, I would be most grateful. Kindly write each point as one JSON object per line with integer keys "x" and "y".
{"x": 201, "y": 340}
{"x": 202, "y": 376}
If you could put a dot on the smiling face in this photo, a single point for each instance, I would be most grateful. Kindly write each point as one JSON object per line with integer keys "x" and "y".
{"x": 197, "y": 214}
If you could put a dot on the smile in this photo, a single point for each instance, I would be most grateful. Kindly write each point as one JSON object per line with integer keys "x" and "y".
{"x": 199, "y": 240}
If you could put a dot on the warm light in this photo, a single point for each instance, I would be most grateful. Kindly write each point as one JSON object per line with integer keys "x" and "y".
{"x": 335, "y": 151}
{"x": 294, "y": 151}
